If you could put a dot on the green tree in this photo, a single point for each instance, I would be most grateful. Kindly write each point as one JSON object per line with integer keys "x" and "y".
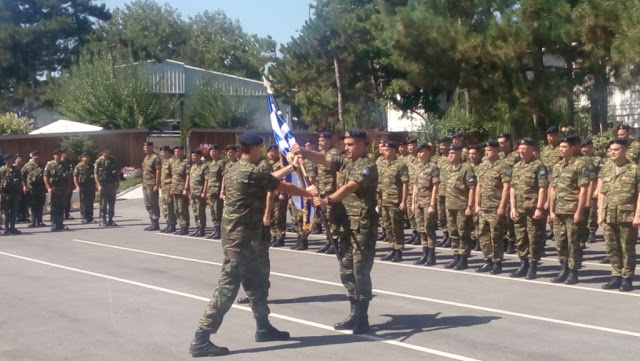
{"x": 208, "y": 107}
{"x": 13, "y": 124}
{"x": 76, "y": 145}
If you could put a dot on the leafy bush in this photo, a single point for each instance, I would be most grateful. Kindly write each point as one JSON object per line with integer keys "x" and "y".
{"x": 12, "y": 124}
{"x": 76, "y": 145}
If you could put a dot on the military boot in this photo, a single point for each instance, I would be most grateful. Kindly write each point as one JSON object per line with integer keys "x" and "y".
{"x": 54, "y": 228}
{"x": 511, "y": 247}
{"x": 213, "y": 233}
{"x": 550, "y": 234}
{"x": 111, "y": 223}
{"x": 278, "y": 243}
{"x": 397, "y": 257}
{"x": 462, "y": 265}
{"x": 265, "y": 332}
{"x": 13, "y": 229}
{"x": 572, "y": 279}
{"x": 446, "y": 241}
{"x": 388, "y": 256}
{"x": 532, "y": 273}
{"x": 33, "y": 224}
{"x": 382, "y": 235}
{"x": 149, "y": 226}
{"x": 324, "y": 248}
{"x": 200, "y": 232}
{"x": 171, "y": 228}
{"x": 592, "y": 237}
{"x": 431, "y": 257}
{"x": 626, "y": 285}
{"x": 614, "y": 283}
{"x": 304, "y": 244}
{"x": 202, "y": 347}
{"x": 452, "y": 264}
{"x": 243, "y": 300}
{"x": 331, "y": 250}
{"x": 522, "y": 270}
{"x": 155, "y": 225}
{"x": 562, "y": 276}
{"x": 166, "y": 229}
{"x": 298, "y": 242}
{"x": 348, "y": 323}
{"x": 423, "y": 259}
{"x": 183, "y": 231}
{"x": 605, "y": 260}
{"x": 6, "y": 230}
{"x": 317, "y": 229}
{"x": 476, "y": 244}
{"x": 486, "y": 267}
{"x": 497, "y": 268}
{"x": 416, "y": 238}
{"x": 361, "y": 324}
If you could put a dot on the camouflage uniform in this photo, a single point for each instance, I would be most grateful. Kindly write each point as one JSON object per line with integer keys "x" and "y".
{"x": 327, "y": 185}
{"x": 87, "y": 192}
{"x": 380, "y": 163}
{"x": 410, "y": 161}
{"x": 150, "y": 165}
{"x": 108, "y": 175}
{"x": 391, "y": 180}
{"x": 246, "y": 254}
{"x": 492, "y": 228}
{"x": 526, "y": 180}
{"x": 550, "y": 156}
{"x": 592, "y": 222}
{"x": 509, "y": 160}
{"x": 216, "y": 168}
{"x": 567, "y": 179}
{"x": 302, "y": 227}
{"x": 279, "y": 217}
{"x": 11, "y": 189}
{"x": 168, "y": 208}
{"x": 66, "y": 162}
{"x": 592, "y": 176}
{"x": 179, "y": 172}
{"x": 443, "y": 165}
{"x": 633, "y": 151}
{"x": 197, "y": 176}
{"x": 460, "y": 181}
{"x": 32, "y": 174}
{"x": 620, "y": 193}
{"x": 427, "y": 176}
{"x": 58, "y": 180}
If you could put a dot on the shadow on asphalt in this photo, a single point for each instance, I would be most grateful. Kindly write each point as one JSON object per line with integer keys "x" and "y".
{"x": 338, "y": 297}
{"x": 306, "y": 341}
{"x": 404, "y": 326}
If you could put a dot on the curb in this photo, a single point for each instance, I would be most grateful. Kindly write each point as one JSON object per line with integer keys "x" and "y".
{"x": 128, "y": 190}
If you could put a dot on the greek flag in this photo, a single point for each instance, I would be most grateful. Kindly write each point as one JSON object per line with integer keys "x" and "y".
{"x": 284, "y": 139}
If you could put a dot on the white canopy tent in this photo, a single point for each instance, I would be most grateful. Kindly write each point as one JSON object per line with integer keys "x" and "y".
{"x": 66, "y": 126}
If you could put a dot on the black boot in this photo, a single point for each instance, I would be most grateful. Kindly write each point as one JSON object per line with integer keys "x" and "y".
{"x": 13, "y": 229}
{"x": 511, "y": 247}
{"x": 202, "y": 347}
{"x": 532, "y": 274}
{"x": 199, "y": 232}
{"x": 304, "y": 244}
{"x": 423, "y": 259}
{"x": 298, "y": 242}
{"x": 614, "y": 283}
{"x": 626, "y": 285}
{"x": 550, "y": 234}
{"x": 562, "y": 276}
{"x": 331, "y": 250}
{"x": 388, "y": 256}
{"x": 278, "y": 243}
{"x": 6, "y": 230}
{"x": 605, "y": 260}
{"x": 265, "y": 332}
{"x": 54, "y": 228}
{"x": 446, "y": 240}
{"x": 215, "y": 234}
{"x": 397, "y": 257}
{"x": 592, "y": 237}
{"x": 462, "y": 265}
{"x": 476, "y": 244}
{"x": 486, "y": 267}
{"x": 572, "y": 279}
{"x": 166, "y": 229}
{"x": 497, "y": 268}
{"x": 348, "y": 323}
{"x": 416, "y": 238}
{"x": 243, "y": 300}
{"x": 149, "y": 226}
{"x": 33, "y": 224}
{"x": 431, "y": 257}
{"x": 171, "y": 228}
{"x": 324, "y": 248}
{"x": 183, "y": 231}
{"x": 382, "y": 235}
{"x": 522, "y": 270}
{"x": 361, "y": 324}
{"x": 452, "y": 264}
{"x": 155, "y": 225}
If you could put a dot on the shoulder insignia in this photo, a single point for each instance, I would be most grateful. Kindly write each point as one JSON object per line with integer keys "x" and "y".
{"x": 365, "y": 172}
{"x": 542, "y": 171}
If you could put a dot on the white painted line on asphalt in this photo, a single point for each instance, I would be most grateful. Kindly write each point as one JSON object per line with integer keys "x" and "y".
{"x": 504, "y": 276}
{"x": 275, "y": 315}
{"x": 390, "y": 293}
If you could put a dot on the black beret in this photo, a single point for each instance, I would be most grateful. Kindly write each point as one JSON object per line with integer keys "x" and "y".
{"x": 8, "y": 155}
{"x": 574, "y": 137}
{"x": 34, "y": 152}
{"x": 148, "y": 143}
{"x": 424, "y": 146}
{"x": 586, "y": 142}
{"x": 455, "y": 147}
{"x": 492, "y": 143}
{"x": 84, "y": 154}
{"x": 622, "y": 142}
{"x": 404, "y": 142}
{"x": 166, "y": 148}
{"x": 552, "y": 129}
{"x": 412, "y": 140}
{"x": 18, "y": 155}
{"x": 250, "y": 138}
{"x": 526, "y": 141}
{"x": 181, "y": 147}
{"x": 214, "y": 146}
{"x": 326, "y": 135}
{"x": 624, "y": 127}
{"x": 63, "y": 149}
{"x": 504, "y": 135}
{"x": 231, "y": 147}
{"x": 56, "y": 151}
{"x": 197, "y": 151}
{"x": 457, "y": 135}
{"x": 391, "y": 144}
{"x": 356, "y": 134}
{"x": 445, "y": 140}
{"x": 273, "y": 146}
{"x": 101, "y": 149}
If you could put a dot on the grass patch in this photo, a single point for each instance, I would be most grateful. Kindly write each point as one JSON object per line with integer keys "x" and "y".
{"x": 128, "y": 183}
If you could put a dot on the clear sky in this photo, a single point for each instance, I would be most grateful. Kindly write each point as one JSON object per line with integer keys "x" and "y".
{"x": 279, "y": 18}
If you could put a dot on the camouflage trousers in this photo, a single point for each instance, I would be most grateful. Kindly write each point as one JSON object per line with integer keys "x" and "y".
{"x": 511, "y": 228}
{"x": 392, "y": 219}
{"x": 491, "y": 231}
{"x": 460, "y": 227}
{"x": 592, "y": 222}
{"x": 37, "y": 199}
{"x": 358, "y": 245}
{"x": 567, "y": 241}
{"x": 298, "y": 217}
{"x": 246, "y": 262}
{"x": 199, "y": 208}
{"x": 279, "y": 219}
{"x": 87, "y": 195}
{"x": 9, "y": 204}
{"x": 151, "y": 202}
{"x": 215, "y": 208}
{"x": 168, "y": 208}
{"x": 410, "y": 214}
{"x": 583, "y": 228}
{"x": 108, "y": 199}
{"x": 442, "y": 213}
{"x": 620, "y": 244}
{"x": 530, "y": 235}
{"x": 58, "y": 195}
{"x": 181, "y": 209}
{"x": 427, "y": 225}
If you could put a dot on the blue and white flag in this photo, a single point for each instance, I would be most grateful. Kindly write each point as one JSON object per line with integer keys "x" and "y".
{"x": 284, "y": 139}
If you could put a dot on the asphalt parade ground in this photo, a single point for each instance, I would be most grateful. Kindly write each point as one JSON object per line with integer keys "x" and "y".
{"x": 92, "y": 293}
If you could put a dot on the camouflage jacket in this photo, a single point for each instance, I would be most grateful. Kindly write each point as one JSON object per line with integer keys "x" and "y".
{"x": 633, "y": 151}
{"x": 427, "y": 175}
{"x": 391, "y": 179}
{"x": 165, "y": 175}
{"x": 526, "y": 180}
{"x": 106, "y": 169}
{"x": 410, "y": 160}
{"x": 360, "y": 205}
{"x": 550, "y": 156}
{"x": 566, "y": 179}
{"x": 326, "y": 176}
{"x": 179, "y": 172}
{"x": 197, "y": 176}
{"x": 216, "y": 168}
{"x": 245, "y": 201}
{"x": 491, "y": 178}
{"x": 460, "y": 180}
{"x": 150, "y": 165}
{"x": 10, "y": 180}
{"x": 620, "y": 192}
{"x": 509, "y": 159}
{"x": 57, "y": 174}
{"x": 84, "y": 174}
{"x": 443, "y": 164}
{"x": 32, "y": 176}
{"x": 597, "y": 164}
{"x": 228, "y": 164}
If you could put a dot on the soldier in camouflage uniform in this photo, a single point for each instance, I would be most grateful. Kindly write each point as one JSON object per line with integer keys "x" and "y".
{"x": 216, "y": 168}
{"x": 633, "y": 150}
{"x": 168, "y": 208}
{"x": 326, "y": 186}
{"x": 458, "y": 139}
{"x": 619, "y": 214}
{"x": 442, "y": 161}
{"x": 393, "y": 182}
{"x": 424, "y": 203}
{"x": 55, "y": 179}
{"x": 587, "y": 163}
{"x": 528, "y": 193}
{"x": 592, "y": 222}
{"x": 180, "y": 189}
{"x": 280, "y": 201}
{"x": 68, "y": 163}
{"x": 198, "y": 172}
{"x": 550, "y": 156}
{"x": 151, "y": 167}
{"x": 568, "y": 193}
{"x": 474, "y": 158}
{"x": 492, "y": 194}
{"x": 301, "y": 224}
{"x": 11, "y": 190}
{"x": 380, "y": 163}
{"x": 107, "y": 176}
{"x": 232, "y": 159}
{"x": 356, "y": 195}
{"x": 34, "y": 189}
{"x": 85, "y": 184}
{"x": 23, "y": 203}
{"x": 460, "y": 201}
{"x": 410, "y": 160}
{"x": 246, "y": 251}
{"x": 509, "y": 157}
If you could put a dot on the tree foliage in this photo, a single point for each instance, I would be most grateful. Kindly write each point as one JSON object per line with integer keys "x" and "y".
{"x": 76, "y": 145}
{"x": 12, "y": 124}
{"x": 208, "y": 107}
